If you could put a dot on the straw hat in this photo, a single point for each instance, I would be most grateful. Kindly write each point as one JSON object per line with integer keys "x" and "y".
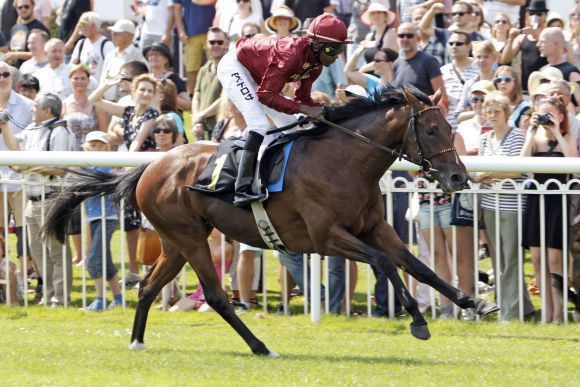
{"x": 548, "y": 73}
{"x": 282, "y": 11}
{"x": 376, "y": 7}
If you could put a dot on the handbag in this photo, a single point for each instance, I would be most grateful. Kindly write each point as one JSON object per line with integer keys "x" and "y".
{"x": 462, "y": 210}
{"x": 148, "y": 247}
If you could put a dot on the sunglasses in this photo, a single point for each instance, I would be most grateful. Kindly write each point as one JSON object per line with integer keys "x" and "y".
{"x": 407, "y": 36}
{"x": 333, "y": 49}
{"x": 501, "y": 21}
{"x": 503, "y": 79}
{"x": 476, "y": 99}
{"x": 476, "y": 13}
{"x": 242, "y": 1}
{"x": 458, "y": 44}
{"x": 214, "y": 42}
{"x": 23, "y": 7}
{"x": 5, "y": 74}
{"x": 164, "y": 130}
{"x": 249, "y": 36}
{"x": 536, "y": 13}
{"x": 381, "y": 60}
{"x": 460, "y": 14}
{"x": 575, "y": 15}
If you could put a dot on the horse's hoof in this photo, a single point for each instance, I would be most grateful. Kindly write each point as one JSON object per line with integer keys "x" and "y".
{"x": 272, "y": 354}
{"x": 420, "y": 332}
{"x": 136, "y": 346}
{"x": 483, "y": 308}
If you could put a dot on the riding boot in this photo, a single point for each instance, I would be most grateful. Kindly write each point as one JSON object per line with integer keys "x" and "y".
{"x": 244, "y": 194}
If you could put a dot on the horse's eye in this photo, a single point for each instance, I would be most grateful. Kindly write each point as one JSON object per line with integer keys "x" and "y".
{"x": 430, "y": 131}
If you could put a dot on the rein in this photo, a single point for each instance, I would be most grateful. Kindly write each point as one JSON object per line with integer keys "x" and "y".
{"x": 424, "y": 162}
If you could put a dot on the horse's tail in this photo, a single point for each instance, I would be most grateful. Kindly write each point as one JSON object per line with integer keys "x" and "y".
{"x": 85, "y": 184}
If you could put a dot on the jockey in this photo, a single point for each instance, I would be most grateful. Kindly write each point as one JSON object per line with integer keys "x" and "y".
{"x": 255, "y": 73}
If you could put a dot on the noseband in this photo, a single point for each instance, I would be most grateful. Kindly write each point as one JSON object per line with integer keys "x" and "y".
{"x": 424, "y": 162}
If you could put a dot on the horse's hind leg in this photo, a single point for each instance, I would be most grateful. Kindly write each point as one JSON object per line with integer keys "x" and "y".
{"x": 164, "y": 270}
{"x": 198, "y": 255}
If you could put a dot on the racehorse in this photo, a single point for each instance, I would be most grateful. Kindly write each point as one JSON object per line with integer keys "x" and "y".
{"x": 331, "y": 203}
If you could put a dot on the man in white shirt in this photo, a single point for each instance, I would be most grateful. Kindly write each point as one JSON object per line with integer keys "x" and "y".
{"x": 92, "y": 48}
{"x": 122, "y": 33}
{"x": 158, "y": 23}
{"x": 37, "y": 39}
{"x": 53, "y": 77}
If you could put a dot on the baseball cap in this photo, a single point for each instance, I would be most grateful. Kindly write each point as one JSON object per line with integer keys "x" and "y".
{"x": 97, "y": 135}
{"x": 123, "y": 25}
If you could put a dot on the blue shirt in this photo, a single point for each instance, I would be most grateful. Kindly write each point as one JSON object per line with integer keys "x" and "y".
{"x": 196, "y": 18}
{"x": 330, "y": 77}
{"x": 93, "y": 205}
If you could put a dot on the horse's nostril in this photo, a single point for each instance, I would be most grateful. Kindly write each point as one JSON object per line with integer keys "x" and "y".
{"x": 456, "y": 178}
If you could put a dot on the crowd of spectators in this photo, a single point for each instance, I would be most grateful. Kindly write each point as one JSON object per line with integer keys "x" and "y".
{"x": 507, "y": 71}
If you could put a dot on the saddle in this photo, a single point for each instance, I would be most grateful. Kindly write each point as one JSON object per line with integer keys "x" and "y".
{"x": 219, "y": 176}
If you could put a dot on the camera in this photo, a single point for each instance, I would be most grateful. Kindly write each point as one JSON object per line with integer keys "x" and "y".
{"x": 544, "y": 119}
{"x": 4, "y": 117}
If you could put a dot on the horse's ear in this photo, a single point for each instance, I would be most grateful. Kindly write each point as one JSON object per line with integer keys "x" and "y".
{"x": 411, "y": 100}
{"x": 436, "y": 97}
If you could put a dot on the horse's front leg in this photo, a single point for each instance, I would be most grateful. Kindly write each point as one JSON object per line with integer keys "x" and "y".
{"x": 385, "y": 238}
{"x": 344, "y": 244}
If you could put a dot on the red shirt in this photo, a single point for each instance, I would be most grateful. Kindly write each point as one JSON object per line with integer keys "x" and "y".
{"x": 275, "y": 61}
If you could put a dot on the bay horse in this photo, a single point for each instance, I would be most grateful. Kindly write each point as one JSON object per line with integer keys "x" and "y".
{"x": 331, "y": 203}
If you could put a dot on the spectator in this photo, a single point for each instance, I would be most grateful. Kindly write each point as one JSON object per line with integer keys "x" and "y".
{"x": 304, "y": 9}
{"x": 383, "y": 34}
{"x": 342, "y": 9}
{"x": 249, "y": 30}
{"x": 415, "y": 67}
{"x": 357, "y": 30}
{"x": 122, "y": 33}
{"x": 485, "y": 56}
{"x": 43, "y": 11}
{"x": 500, "y": 32}
{"x": 381, "y": 66}
{"x": 53, "y": 77}
{"x": 192, "y": 22}
{"x": 168, "y": 106}
{"x": 457, "y": 73}
{"x": 159, "y": 59}
{"x": 429, "y": 44}
{"x": 138, "y": 120}
{"x": 92, "y": 47}
{"x": 509, "y": 8}
{"x": 10, "y": 276}
{"x": 206, "y": 96}
{"x": 283, "y": 22}
{"x": 20, "y": 31}
{"x": 232, "y": 24}
{"x": 47, "y": 133}
{"x": 19, "y": 110}
{"x": 506, "y": 81}
{"x": 549, "y": 122}
{"x": 478, "y": 23}
{"x": 230, "y": 122}
{"x": 525, "y": 40}
{"x": 472, "y": 129}
{"x": 29, "y": 87}
{"x": 563, "y": 90}
{"x": 8, "y": 17}
{"x": 96, "y": 141}
{"x": 71, "y": 12}
{"x": 574, "y": 41}
{"x": 552, "y": 47}
{"x": 158, "y": 24}
{"x": 503, "y": 140}
{"x": 37, "y": 39}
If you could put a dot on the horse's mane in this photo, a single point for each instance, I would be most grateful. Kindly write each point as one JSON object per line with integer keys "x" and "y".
{"x": 389, "y": 97}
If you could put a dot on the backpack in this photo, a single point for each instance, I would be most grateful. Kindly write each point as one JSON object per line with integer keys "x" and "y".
{"x": 82, "y": 43}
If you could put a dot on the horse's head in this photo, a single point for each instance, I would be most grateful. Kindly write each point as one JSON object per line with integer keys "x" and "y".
{"x": 428, "y": 140}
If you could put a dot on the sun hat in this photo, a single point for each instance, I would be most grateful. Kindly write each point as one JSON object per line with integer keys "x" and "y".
{"x": 160, "y": 48}
{"x": 123, "y": 25}
{"x": 483, "y": 86}
{"x": 376, "y": 7}
{"x": 97, "y": 135}
{"x": 547, "y": 74}
{"x": 282, "y": 11}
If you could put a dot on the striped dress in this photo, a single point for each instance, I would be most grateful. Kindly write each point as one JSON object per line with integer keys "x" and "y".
{"x": 511, "y": 145}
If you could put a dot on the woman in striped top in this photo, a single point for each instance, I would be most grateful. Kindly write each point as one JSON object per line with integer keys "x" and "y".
{"x": 503, "y": 140}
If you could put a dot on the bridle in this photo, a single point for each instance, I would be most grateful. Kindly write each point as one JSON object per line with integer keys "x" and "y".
{"x": 424, "y": 162}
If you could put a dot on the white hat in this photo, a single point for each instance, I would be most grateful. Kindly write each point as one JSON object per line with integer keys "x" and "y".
{"x": 483, "y": 86}
{"x": 357, "y": 90}
{"x": 283, "y": 11}
{"x": 376, "y": 7}
{"x": 97, "y": 135}
{"x": 547, "y": 74}
{"x": 123, "y": 25}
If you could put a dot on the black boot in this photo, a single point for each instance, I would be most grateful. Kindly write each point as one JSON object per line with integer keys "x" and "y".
{"x": 244, "y": 194}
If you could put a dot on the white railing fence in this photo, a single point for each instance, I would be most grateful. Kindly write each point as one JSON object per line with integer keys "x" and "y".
{"x": 398, "y": 185}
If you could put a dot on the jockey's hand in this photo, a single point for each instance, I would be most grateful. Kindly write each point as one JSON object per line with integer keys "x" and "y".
{"x": 316, "y": 112}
